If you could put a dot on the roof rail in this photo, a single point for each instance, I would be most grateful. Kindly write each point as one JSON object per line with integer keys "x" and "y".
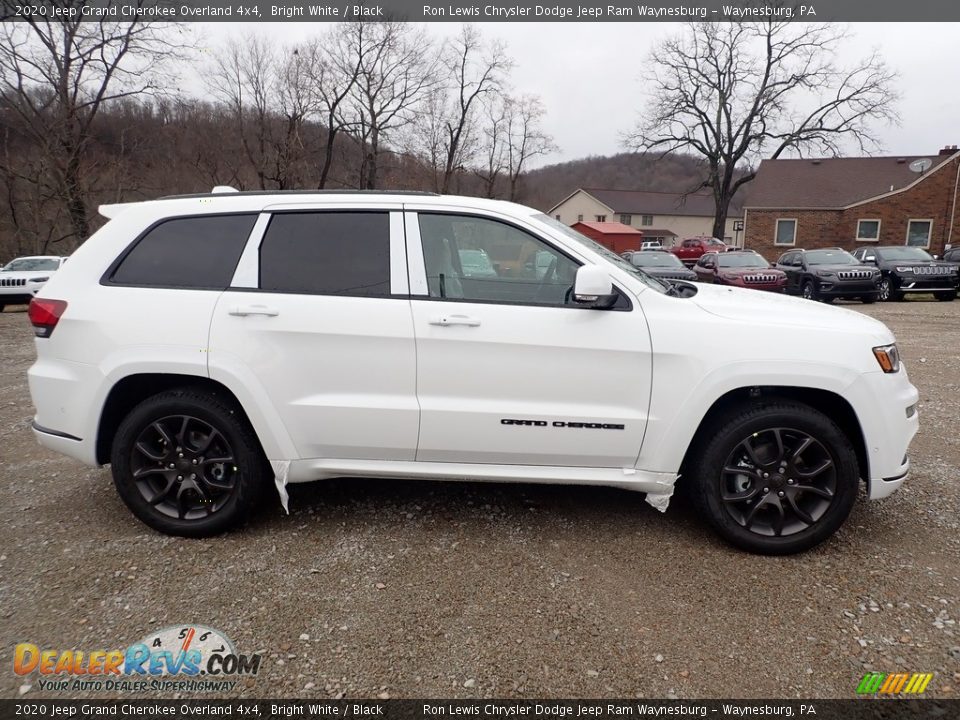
{"x": 224, "y": 189}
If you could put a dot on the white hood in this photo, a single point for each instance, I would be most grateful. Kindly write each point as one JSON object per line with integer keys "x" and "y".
{"x": 756, "y": 306}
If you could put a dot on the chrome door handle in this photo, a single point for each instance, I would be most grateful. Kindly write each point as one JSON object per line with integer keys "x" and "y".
{"x": 454, "y": 320}
{"x": 244, "y": 310}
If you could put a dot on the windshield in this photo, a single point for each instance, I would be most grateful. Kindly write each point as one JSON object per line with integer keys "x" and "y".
{"x": 31, "y": 264}
{"x": 830, "y": 257}
{"x": 655, "y": 259}
{"x": 612, "y": 257}
{"x": 735, "y": 260}
{"x": 906, "y": 253}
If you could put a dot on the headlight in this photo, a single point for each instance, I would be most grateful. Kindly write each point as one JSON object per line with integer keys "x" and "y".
{"x": 39, "y": 279}
{"x": 825, "y": 273}
{"x": 889, "y": 358}
{"x": 905, "y": 268}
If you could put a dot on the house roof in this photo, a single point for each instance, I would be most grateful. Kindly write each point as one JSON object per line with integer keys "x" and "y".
{"x": 609, "y": 228}
{"x": 658, "y": 232}
{"x": 643, "y": 202}
{"x": 833, "y": 182}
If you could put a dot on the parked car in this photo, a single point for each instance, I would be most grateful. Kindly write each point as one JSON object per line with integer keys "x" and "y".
{"x": 651, "y": 245}
{"x": 690, "y": 250}
{"x": 952, "y": 255}
{"x": 904, "y": 269}
{"x": 211, "y": 350}
{"x": 829, "y": 273}
{"x": 22, "y": 278}
{"x": 662, "y": 264}
{"x": 742, "y": 268}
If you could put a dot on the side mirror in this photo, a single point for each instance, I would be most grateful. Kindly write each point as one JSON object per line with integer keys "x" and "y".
{"x": 593, "y": 287}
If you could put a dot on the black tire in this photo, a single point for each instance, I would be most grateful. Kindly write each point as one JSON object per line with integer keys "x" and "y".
{"x": 737, "y": 516}
{"x": 809, "y": 291}
{"x": 2, "y": 307}
{"x": 946, "y": 296}
{"x": 886, "y": 291}
{"x": 189, "y": 499}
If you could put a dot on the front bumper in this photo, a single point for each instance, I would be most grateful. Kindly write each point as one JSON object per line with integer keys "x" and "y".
{"x": 887, "y": 408}
{"x": 847, "y": 289}
{"x": 927, "y": 284}
{"x": 19, "y": 294}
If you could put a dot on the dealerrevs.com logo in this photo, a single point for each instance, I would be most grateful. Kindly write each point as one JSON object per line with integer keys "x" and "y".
{"x": 184, "y": 658}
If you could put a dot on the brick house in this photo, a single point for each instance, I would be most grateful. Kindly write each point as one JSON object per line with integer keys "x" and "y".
{"x": 849, "y": 202}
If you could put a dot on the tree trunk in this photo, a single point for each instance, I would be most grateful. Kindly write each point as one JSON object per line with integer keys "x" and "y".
{"x": 73, "y": 194}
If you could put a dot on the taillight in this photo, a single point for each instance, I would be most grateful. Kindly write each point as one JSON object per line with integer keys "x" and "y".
{"x": 44, "y": 314}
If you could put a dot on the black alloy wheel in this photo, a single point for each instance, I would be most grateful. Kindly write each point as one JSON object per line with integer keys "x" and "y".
{"x": 186, "y": 462}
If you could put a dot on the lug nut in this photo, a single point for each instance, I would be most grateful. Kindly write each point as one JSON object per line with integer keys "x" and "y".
{"x": 766, "y": 490}
{"x": 766, "y": 474}
{"x": 179, "y": 477}
{"x": 781, "y": 493}
{"x": 171, "y": 466}
{"x": 790, "y": 481}
{"x": 181, "y": 454}
{"x": 194, "y": 461}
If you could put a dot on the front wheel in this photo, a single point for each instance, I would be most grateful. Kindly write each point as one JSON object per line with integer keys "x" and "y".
{"x": 187, "y": 463}
{"x": 776, "y": 478}
{"x": 886, "y": 291}
{"x": 809, "y": 291}
{"x": 946, "y": 296}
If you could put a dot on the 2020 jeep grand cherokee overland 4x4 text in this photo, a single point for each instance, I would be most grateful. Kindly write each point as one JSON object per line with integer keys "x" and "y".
{"x": 208, "y": 347}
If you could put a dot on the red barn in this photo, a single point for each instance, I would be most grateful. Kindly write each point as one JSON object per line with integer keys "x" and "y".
{"x": 612, "y": 235}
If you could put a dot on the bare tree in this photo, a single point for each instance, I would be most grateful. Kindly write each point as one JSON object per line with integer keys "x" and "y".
{"x": 396, "y": 70}
{"x": 525, "y": 138}
{"x": 57, "y": 75}
{"x": 332, "y": 67}
{"x": 735, "y": 92}
{"x": 493, "y": 144}
{"x": 471, "y": 70}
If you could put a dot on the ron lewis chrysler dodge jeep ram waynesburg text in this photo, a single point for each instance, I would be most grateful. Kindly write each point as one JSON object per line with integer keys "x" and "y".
{"x": 208, "y": 347}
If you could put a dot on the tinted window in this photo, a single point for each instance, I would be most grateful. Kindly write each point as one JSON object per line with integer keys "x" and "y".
{"x": 742, "y": 259}
{"x": 192, "y": 252}
{"x": 327, "y": 253}
{"x": 525, "y": 269}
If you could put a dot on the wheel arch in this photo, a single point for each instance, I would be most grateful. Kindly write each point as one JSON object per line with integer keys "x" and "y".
{"x": 831, "y": 404}
{"x": 131, "y": 390}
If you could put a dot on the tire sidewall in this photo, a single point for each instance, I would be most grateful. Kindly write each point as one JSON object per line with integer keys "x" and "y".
{"x": 209, "y": 410}
{"x": 718, "y": 448}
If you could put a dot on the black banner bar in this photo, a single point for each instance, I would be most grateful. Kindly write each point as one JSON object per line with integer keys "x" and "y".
{"x": 862, "y": 709}
{"x": 482, "y": 10}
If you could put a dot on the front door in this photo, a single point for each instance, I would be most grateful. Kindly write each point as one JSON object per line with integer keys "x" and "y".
{"x": 509, "y": 370}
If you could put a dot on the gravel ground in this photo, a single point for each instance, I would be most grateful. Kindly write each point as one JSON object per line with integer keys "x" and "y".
{"x": 377, "y": 588}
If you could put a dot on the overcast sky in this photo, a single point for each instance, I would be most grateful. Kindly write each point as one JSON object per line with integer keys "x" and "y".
{"x": 588, "y": 75}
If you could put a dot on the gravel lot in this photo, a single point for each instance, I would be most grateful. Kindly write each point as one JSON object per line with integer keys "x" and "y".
{"x": 457, "y": 590}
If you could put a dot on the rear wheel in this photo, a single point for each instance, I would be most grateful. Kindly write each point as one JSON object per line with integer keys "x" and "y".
{"x": 946, "y": 296}
{"x": 186, "y": 463}
{"x": 776, "y": 478}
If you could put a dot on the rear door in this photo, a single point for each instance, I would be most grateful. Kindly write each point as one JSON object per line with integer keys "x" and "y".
{"x": 508, "y": 370}
{"x": 317, "y": 324}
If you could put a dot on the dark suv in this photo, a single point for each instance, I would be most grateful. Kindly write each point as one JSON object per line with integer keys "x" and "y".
{"x": 829, "y": 273}
{"x": 906, "y": 269}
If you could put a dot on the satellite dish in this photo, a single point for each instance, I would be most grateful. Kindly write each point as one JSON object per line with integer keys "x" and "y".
{"x": 921, "y": 165}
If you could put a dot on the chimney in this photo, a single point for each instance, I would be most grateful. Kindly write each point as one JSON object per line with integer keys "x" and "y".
{"x": 948, "y": 150}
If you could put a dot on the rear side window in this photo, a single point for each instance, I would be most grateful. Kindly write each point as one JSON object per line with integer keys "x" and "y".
{"x": 199, "y": 252}
{"x": 327, "y": 253}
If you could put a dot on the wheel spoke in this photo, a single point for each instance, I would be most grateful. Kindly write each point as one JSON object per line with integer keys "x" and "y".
{"x": 163, "y": 494}
{"x": 739, "y": 496}
{"x": 225, "y": 460}
{"x": 751, "y": 516}
{"x": 822, "y": 492}
{"x": 780, "y": 448}
{"x": 799, "y": 512}
{"x": 141, "y": 448}
{"x": 207, "y": 442}
{"x": 144, "y": 471}
{"x": 751, "y": 452}
{"x": 162, "y": 432}
{"x": 778, "y": 521}
{"x": 818, "y": 470}
{"x": 807, "y": 442}
{"x": 182, "y": 435}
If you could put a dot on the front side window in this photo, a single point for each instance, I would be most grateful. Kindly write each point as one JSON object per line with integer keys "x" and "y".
{"x": 482, "y": 260}
{"x": 786, "y": 232}
{"x": 918, "y": 233}
{"x": 868, "y": 230}
{"x": 199, "y": 252}
{"x": 327, "y": 253}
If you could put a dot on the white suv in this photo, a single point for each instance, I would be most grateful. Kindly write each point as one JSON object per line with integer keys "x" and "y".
{"x": 22, "y": 278}
{"x": 210, "y": 346}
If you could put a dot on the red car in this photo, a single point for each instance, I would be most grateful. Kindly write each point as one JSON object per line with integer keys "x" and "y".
{"x": 691, "y": 249}
{"x": 742, "y": 268}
